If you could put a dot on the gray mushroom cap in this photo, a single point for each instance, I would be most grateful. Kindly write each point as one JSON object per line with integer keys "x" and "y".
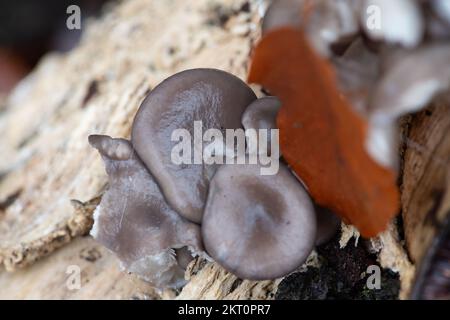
{"x": 409, "y": 81}
{"x": 134, "y": 221}
{"x": 112, "y": 149}
{"x": 330, "y": 22}
{"x": 214, "y": 97}
{"x": 357, "y": 70}
{"x": 282, "y": 13}
{"x": 258, "y": 227}
{"x": 412, "y": 82}
{"x": 262, "y": 114}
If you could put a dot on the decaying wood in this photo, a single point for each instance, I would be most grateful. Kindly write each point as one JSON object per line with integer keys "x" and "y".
{"x": 78, "y": 224}
{"x": 210, "y": 281}
{"x": 100, "y": 278}
{"x": 426, "y": 178}
{"x": 97, "y": 88}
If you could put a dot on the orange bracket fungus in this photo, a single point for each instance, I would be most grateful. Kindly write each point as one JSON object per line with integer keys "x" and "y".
{"x": 321, "y": 136}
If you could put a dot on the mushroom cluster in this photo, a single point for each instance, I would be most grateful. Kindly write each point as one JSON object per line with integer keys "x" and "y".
{"x": 156, "y": 216}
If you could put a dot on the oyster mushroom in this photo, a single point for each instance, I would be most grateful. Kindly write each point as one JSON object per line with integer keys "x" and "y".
{"x": 283, "y": 13}
{"x": 215, "y": 98}
{"x": 357, "y": 70}
{"x": 395, "y": 21}
{"x": 412, "y": 82}
{"x": 258, "y": 227}
{"x": 326, "y": 22}
{"x": 332, "y": 24}
{"x": 406, "y": 86}
{"x": 262, "y": 114}
{"x": 134, "y": 221}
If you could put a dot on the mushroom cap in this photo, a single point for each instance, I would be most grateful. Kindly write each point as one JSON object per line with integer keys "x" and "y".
{"x": 281, "y": 13}
{"x": 412, "y": 82}
{"x": 214, "y": 97}
{"x": 326, "y": 22}
{"x": 332, "y": 23}
{"x": 357, "y": 70}
{"x": 258, "y": 227}
{"x": 134, "y": 221}
{"x": 114, "y": 149}
{"x": 409, "y": 82}
{"x": 262, "y": 114}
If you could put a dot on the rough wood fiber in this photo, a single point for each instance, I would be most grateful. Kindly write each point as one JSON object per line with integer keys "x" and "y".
{"x": 426, "y": 178}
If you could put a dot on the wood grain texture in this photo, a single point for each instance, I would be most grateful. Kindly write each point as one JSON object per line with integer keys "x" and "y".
{"x": 426, "y": 176}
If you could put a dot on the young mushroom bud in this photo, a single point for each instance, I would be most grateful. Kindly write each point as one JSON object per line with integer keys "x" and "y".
{"x": 258, "y": 227}
{"x": 109, "y": 148}
{"x": 134, "y": 221}
{"x": 214, "y": 99}
{"x": 262, "y": 114}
